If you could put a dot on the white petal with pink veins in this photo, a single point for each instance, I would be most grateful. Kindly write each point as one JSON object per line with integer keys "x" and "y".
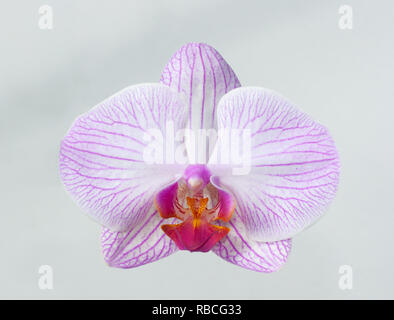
{"x": 140, "y": 245}
{"x": 294, "y": 164}
{"x": 202, "y": 76}
{"x": 102, "y": 156}
{"x": 239, "y": 249}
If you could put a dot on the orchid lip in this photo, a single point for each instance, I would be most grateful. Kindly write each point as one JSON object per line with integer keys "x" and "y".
{"x": 188, "y": 200}
{"x": 196, "y": 233}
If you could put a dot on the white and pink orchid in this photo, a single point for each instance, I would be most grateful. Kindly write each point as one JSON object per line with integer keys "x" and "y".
{"x": 151, "y": 210}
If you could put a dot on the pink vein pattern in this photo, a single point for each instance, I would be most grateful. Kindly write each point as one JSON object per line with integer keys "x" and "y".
{"x": 101, "y": 156}
{"x": 240, "y": 250}
{"x": 142, "y": 244}
{"x": 295, "y": 165}
{"x": 201, "y": 74}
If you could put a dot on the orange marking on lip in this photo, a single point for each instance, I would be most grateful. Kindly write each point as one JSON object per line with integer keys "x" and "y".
{"x": 197, "y": 206}
{"x": 196, "y": 233}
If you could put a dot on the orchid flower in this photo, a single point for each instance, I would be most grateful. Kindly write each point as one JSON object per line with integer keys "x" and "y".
{"x": 151, "y": 210}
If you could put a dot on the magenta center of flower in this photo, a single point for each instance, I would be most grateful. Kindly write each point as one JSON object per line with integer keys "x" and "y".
{"x": 198, "y": 204}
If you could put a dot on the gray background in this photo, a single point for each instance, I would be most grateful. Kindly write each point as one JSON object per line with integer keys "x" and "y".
{"x": 343, "y": 78}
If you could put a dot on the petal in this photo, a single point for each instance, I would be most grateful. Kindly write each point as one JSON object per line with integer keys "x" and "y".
{"x": 102, "y": 156}
{"x": 140, "y": 245}
{"x": 294, "y": 164}
{"x": 238, "y": 249}
{"x": 201, "y": 74}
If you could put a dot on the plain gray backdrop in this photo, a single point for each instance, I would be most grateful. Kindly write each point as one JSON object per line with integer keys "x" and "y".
{"x": 342, "y": 78}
